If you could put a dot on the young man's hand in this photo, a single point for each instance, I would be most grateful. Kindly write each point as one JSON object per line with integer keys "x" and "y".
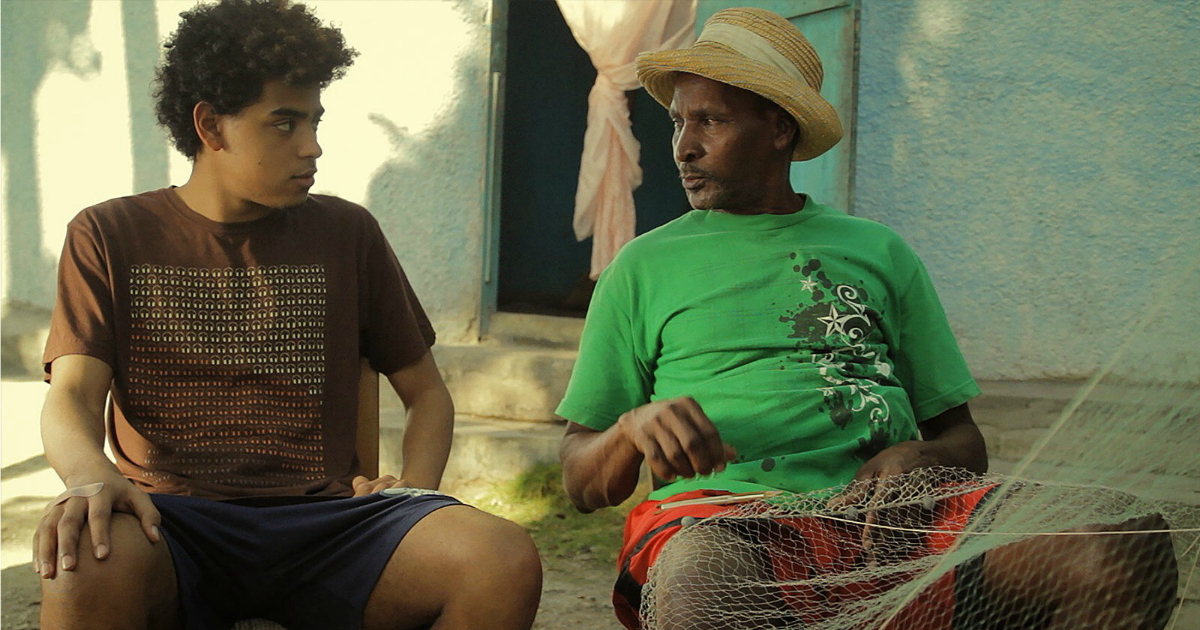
{"x": 56, "y": 540}
{"x": 363, "y": 486}
{"x": 676, "y": 438}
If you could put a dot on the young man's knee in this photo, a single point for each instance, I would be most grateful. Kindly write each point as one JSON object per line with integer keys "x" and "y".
{"x": 504, "y": 549}
{"x": 498, "y": 569}
{"x": 130, "y": 555}
{"x": 135, "y": 577}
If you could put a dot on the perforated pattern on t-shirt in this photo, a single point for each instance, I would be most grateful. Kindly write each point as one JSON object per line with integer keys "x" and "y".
{"x": 248, "y": 347}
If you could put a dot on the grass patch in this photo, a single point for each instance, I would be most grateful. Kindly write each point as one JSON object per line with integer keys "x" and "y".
{"x": 536, "y": 500}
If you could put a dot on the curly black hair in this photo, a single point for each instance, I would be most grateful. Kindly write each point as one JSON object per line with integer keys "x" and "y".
{"x": 224, "y": 54}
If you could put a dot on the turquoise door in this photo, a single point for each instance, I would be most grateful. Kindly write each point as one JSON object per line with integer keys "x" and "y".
{"x": 831, "y": 26}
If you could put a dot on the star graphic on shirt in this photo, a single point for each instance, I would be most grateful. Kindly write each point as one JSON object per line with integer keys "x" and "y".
{"x": 808, "y": 284}
{"x": 835, "y": 322}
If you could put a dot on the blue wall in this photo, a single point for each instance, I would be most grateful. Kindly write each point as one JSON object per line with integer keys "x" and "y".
{"x": 1043, "y": 158}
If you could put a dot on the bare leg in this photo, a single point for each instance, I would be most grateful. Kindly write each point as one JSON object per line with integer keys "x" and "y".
{"x": 132, "y": 589}
{"x": 458, "y": 568}
{"x": 1110, "y": 582}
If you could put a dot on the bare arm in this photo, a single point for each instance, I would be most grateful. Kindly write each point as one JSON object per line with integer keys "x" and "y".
{"x": 430, "y": 427}
{"x": 949, "y": 439}
{"x": 675, "y": 437}
{"x": 73, "y": 418}
{"x": 955, "y": 439}
{"x": 600, "y": 468}
{"x": 73, "y": 438}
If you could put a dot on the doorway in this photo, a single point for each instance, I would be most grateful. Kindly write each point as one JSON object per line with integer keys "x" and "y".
{"x": 542, "y": 268}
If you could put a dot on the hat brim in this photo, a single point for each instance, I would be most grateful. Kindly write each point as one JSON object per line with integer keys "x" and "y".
{"x": 820, "y": 128}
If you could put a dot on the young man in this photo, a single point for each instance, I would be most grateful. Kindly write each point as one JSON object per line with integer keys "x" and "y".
{"x": 228, "y": 318}
{"x": 764, "y": 341}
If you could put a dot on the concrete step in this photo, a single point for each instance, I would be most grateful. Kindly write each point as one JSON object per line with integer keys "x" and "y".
{"x": 518, "y": 371}
{"x": 485, "y": 449}
{"x": 524, "y": 329}
{"x": 514, "y": 382}
{"x": 1013, "y": 416}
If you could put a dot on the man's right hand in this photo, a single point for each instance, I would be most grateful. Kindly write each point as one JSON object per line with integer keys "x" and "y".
{"x": 56, "y": 540}
{"x": 676, "y": 438}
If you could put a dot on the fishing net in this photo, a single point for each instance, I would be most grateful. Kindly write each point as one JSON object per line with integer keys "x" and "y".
{"x": 1097, "y": 527}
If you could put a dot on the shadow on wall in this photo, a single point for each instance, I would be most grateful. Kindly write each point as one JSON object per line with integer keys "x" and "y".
{"x": 38, "y": 37}
{"x": 427, "y": 197}
{"x": 147, "y": 140}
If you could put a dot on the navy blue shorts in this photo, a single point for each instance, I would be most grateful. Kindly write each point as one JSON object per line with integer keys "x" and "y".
{"x": 304, "y": 562}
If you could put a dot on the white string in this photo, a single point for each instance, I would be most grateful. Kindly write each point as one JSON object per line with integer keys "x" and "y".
{"x": 977, "y": 533}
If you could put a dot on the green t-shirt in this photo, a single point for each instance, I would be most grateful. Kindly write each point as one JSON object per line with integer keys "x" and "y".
{"x": 812, "y": 341}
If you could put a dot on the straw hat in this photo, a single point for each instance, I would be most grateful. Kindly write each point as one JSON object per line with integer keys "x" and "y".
{"x": 756, "y": 50}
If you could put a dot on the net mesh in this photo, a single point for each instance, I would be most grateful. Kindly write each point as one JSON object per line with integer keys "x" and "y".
{"x": 1097, "y": 527}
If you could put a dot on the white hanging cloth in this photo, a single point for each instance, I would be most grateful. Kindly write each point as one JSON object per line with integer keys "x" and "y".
{"x": 613, "y": 32}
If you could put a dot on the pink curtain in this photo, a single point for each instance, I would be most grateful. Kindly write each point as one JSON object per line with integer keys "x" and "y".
{"x": 613, "y": 32}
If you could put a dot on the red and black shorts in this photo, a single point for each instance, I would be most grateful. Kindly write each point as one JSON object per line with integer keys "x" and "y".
{"x": 817, "y": 547}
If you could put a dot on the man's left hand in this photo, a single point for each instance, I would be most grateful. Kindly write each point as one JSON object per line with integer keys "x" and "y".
{"x": 898, "y": 511}
{"x": 363, "y": 486}
{"x": 899, "y": 459}
{"x": 868, "y": 485}
{"x": 876, "y": 486}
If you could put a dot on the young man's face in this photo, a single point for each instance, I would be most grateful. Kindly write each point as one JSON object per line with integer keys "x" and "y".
{"x": 724, "y": 144}
{"x": 269, "y": 151}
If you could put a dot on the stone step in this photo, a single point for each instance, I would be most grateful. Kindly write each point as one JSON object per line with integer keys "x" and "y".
{"x": 518, "y": 371}
{"x": 1145, "y": 484}
{"x": 514, "y": 382}
{"x": 1013, "y": 416}
{"x": 525, "y": 329}
{"x": 484, "y": 449}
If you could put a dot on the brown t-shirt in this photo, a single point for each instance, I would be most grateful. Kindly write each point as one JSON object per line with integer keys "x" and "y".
{"x": 235, "y": 348}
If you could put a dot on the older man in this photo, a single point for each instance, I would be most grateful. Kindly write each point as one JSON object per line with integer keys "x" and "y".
{"x": 764, "y": 341}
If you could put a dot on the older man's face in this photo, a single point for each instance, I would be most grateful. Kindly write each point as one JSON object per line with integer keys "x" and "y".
{"x": 724, "y": 144}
